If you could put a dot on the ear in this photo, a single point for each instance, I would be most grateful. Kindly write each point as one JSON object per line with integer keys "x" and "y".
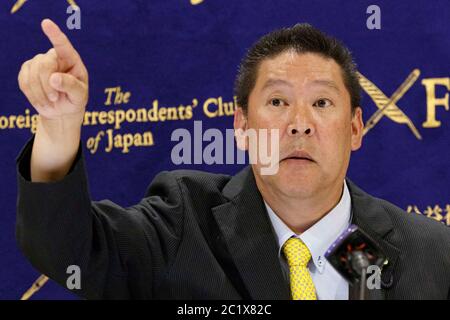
{"x": 240, "y": 127}
{"x": 357, "y": 129}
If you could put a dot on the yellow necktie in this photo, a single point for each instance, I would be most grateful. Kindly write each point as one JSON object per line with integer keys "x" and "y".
{"x": 298, "y": 256}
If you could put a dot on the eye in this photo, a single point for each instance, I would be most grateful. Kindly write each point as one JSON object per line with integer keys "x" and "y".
{"x": 276, "y": 102}
{"x": 322, "y": 103}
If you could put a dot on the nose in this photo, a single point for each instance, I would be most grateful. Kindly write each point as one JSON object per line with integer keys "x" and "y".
{"x": 301, "y": 122}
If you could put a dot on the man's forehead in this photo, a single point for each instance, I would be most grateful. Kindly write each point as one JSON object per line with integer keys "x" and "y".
{"x": 292, "y": 68}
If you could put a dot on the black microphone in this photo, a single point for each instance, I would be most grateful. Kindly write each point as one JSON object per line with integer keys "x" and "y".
{"x": 352, "y": 253}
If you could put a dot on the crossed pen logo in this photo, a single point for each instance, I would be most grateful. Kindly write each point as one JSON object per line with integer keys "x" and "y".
{"x": 388, "y": 106}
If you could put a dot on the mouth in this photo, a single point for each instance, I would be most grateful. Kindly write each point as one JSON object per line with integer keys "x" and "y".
{"x": 299, "y": 155}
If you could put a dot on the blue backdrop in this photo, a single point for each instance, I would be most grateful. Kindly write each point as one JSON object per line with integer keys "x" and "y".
{"x": 169, "y": 54}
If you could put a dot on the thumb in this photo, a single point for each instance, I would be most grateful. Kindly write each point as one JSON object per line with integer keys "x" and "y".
{"x": 75, "y": 89}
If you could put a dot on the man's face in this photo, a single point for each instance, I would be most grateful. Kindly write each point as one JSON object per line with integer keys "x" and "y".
{"x": 304, "y": 96}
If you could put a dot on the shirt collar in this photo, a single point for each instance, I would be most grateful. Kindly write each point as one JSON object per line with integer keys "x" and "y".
{"x": 319, "y": 237}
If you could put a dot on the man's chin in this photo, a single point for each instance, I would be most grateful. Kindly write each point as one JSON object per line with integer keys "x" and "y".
{"x": 297, "y": 182}
{"x": 298, "y": 191}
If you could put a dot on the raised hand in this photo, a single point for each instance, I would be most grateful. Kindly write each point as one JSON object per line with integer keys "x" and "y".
{"x": 56, "y": 82}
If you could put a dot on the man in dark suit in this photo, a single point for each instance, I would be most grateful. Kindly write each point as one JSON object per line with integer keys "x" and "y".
{"x": 197, "y": 235}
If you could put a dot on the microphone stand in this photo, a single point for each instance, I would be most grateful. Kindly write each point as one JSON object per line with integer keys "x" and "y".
{"x": 359, "y": 263}
{"x": 362, "y": 285}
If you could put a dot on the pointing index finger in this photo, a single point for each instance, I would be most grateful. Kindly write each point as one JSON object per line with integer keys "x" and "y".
{"x": 64, "y": 49}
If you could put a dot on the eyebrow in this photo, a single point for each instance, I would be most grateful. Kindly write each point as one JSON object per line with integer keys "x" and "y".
{"x": 330, "y": 84}
{"x": 274, "y": 82}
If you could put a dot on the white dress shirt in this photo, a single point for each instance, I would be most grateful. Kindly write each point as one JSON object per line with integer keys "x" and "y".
{"x": 330, "y": 285}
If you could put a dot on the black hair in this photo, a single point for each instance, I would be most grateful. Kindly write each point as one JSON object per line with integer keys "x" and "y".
{"x": 303, "y": 38}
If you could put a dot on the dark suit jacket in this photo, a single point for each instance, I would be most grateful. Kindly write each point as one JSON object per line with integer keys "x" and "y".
{"x": 198, "y": 235}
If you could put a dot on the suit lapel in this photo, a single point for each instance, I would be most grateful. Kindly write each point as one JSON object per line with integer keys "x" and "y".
{"x": 250, "y": 239}
{"x": 375, "y": 221}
